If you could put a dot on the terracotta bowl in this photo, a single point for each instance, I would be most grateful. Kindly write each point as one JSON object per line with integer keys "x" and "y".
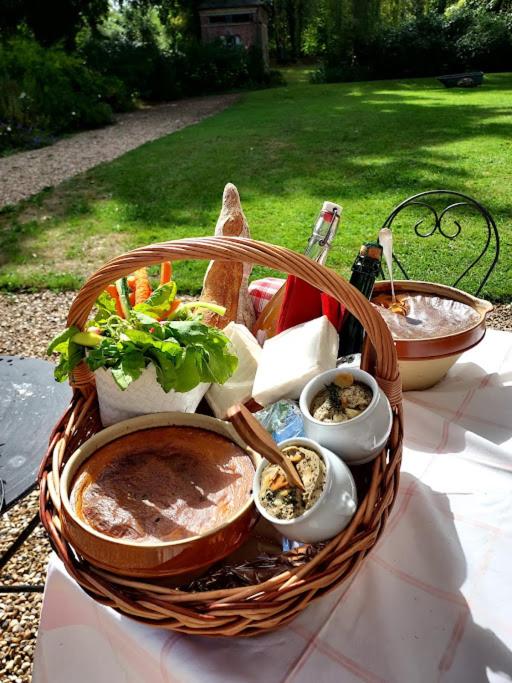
{"x": 180, "y": 559}
{"x": 424, "y": 362}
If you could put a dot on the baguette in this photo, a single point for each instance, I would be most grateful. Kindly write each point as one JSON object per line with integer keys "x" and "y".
{"x": 226, "y": 282}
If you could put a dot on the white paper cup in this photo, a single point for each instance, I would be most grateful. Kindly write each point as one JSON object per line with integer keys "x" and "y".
{"x": 142, "y": 397}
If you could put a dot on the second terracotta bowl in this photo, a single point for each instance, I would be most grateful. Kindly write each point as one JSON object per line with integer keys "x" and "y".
{"x": 179, "y": 559}
{"x": 424, "y": 362}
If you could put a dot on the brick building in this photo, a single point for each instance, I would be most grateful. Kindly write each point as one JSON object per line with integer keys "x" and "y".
{"x": 236, "y": 23}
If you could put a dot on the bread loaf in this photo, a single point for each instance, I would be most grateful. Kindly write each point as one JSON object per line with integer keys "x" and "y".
{"x": 226, "y": 282}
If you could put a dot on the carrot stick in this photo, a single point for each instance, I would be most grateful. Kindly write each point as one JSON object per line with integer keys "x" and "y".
{"x": 112, "y": 290}
{"x": 173, "y": 307}
{"x": 131, "y": 297}
{"x": 165, "y": 272}
{"x": 131, "y": 281}
{"x": 142, "y": 286}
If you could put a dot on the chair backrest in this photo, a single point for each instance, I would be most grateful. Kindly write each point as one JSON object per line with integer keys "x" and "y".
{"x": 441, "y": 213}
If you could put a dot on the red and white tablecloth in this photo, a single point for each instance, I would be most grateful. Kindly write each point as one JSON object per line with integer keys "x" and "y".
{"x": 433, "y": 602}
{"x": 261, "y": 291}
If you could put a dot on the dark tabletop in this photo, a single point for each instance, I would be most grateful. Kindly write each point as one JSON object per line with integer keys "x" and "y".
{"x": 31, "y": 402}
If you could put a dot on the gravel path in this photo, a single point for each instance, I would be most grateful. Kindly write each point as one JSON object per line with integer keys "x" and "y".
{"x": 19, "y": 614}
{"x": 26, "y": 173}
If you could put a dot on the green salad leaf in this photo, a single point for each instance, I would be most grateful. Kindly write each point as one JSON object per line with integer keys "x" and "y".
{"x": 105, "y": 307}
{"x": 130, "y": 368}
{"x": 157, "y": 304}
{"x": 70, "y": 353}
{"x": 183, "y": 350}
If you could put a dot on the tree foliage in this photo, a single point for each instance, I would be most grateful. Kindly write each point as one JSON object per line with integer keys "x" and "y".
{"x": 427, "y": 44}
{"x": 289, "y": 20}
{"x": 50, "y": 23}
{"x": 339, "y": 29}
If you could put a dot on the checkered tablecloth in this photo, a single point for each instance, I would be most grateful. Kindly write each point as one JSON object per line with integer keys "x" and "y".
{"x": 261, "y": 291}
{"x": 433, "y": 602}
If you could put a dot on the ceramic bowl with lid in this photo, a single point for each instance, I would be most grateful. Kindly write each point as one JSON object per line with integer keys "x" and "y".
{"x": 358, "y": 440}
{"x": 424, "y": 361}
{"x": 331, "y": 512}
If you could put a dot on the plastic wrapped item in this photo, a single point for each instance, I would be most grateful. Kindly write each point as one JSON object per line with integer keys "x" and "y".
{"x": 282, "y": 419}
{"x": 351, "y": 361}
{"x": 426, "y": 316}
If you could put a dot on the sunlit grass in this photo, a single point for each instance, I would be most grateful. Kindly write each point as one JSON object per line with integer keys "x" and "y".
{"x": 364, "y": 145}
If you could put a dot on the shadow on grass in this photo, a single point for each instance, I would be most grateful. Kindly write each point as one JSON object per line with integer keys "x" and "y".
{"x": 367, "y": 145}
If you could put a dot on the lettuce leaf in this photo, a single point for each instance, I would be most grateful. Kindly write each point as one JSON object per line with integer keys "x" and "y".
{"x": 159, "y": 302}
{"x": 184, "y": 352}
{"x": 70, "y": 353}
{"x": 59, "y": 344}
{"x": 105, "y": 308}
{"x": 129, "y": 369}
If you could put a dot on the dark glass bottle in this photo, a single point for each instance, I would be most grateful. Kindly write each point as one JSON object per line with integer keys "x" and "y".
{"x": 364, "y": 271}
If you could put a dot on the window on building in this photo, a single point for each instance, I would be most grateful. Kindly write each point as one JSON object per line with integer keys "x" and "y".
{"x": 231, "y": 41}
{"x": 230, "y": 18}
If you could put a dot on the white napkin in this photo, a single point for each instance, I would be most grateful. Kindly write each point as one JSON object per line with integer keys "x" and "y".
{"x": 292, "y": 358}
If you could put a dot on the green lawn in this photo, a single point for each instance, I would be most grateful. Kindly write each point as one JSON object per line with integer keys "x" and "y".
{"x": 364, "y": 145}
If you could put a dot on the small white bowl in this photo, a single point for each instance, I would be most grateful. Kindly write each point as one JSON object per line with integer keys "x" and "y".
{"x": 359, "y": 439}
{"x": 332, "y": 511}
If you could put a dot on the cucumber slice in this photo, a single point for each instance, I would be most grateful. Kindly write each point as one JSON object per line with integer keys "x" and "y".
{"x": 124, "y": 295}
{"x": 90, "y": 339}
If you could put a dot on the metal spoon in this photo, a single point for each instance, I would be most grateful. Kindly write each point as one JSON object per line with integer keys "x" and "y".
{"x": 386, "y": 242}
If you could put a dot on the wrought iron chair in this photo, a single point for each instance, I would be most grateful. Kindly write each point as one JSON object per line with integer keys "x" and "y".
{"x": 435, "y": 222}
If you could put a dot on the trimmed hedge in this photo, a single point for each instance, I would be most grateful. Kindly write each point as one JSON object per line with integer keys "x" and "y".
{"x": 46, "y": 91}
{"x": 154, "y": 74}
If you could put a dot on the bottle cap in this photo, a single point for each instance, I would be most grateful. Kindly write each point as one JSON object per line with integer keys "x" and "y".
{"x": 374, "y": 251}
{"x": 371, "y": 250}
{"x": 329, "y": 207}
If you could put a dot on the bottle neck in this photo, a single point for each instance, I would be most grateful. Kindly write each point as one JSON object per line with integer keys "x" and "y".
{"x": 322, "y": 236}
{"x": 366, "y": 268}
{"x": 364, "y": 282}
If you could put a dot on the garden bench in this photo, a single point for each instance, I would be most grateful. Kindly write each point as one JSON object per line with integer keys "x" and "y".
{"x": 465, "y": 80}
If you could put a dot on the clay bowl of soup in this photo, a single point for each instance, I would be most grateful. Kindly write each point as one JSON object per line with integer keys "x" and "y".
{"x": 162, "y": 495}
{"x": 440, "y": 323}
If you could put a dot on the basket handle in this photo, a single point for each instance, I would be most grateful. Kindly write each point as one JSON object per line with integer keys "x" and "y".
{"x": 260, "y": 253}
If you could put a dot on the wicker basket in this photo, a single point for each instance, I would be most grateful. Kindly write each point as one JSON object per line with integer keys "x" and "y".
{"x": 265, "y": 606}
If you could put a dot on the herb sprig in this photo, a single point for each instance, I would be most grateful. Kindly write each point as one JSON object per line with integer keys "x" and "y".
{"x": 334, "y": 397}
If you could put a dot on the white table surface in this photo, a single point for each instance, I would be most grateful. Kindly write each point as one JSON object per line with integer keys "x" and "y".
{"x": 433, "y": 602}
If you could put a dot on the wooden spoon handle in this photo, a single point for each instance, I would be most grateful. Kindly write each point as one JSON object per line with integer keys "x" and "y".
{"x": 260, "y": 440}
